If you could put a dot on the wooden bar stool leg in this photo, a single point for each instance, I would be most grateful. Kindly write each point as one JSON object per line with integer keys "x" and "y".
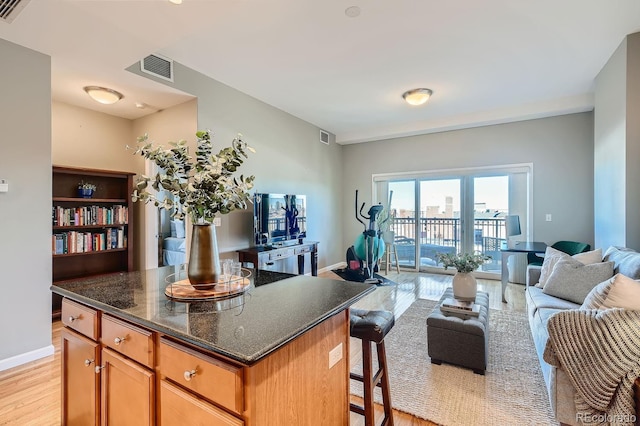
{"x": 395, "y": 254}
{"x": 368, "y": 385}
{"x": 384, "y": 384}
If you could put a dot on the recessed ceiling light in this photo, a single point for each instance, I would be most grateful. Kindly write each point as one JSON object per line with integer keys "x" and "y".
{"x": 175, "y": 1}
{"x": 352, "y": 11}
{"x": 103, "y": 95}
{"x": 141, "y": 105}
{"x": 417, "y": 96}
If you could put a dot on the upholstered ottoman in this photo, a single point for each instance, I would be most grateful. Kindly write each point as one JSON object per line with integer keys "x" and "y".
{"x": 459, "y": 340}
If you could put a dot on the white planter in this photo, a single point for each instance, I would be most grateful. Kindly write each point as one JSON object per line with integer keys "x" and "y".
{"x": 465, "y": 286}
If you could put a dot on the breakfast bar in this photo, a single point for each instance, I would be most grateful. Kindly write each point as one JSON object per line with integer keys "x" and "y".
{"x": 274, "y": 354}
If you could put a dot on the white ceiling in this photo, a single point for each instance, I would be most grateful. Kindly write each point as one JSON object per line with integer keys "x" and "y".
{"x": 487, "y": 61}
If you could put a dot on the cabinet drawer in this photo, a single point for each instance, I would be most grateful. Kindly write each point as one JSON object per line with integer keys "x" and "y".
{"x": 281, "y": 254}
{"x": 179, "y": 407}
{"x": 129, "y": 340}
{"x": 80, "y": 318}
{"x": 214, "y": 380}
{"x": 302, "y": 250}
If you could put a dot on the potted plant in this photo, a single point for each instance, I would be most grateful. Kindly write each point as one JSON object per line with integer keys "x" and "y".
{"x": 465, "y": 285}
{"x": 86, "y": 189}
{"x": 202, "y": 188}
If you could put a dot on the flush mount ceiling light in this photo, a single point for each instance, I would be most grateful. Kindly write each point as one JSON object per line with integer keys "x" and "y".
{"x": 175, "y": 1}
{"x": 103, "y": 95}
{"x": 417, "y": 96}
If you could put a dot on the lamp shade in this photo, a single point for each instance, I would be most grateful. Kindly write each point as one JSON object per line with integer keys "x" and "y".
{"x": 417, "y": 96}
{"x": 103, "y": 95}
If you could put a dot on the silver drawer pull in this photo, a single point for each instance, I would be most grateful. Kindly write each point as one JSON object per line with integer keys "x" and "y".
{"x": 72, "y": 318}
{"x": 189, "y": 374}
{"x": 98, "y": 368}
{"x": 119, "y": 340}
{"x": 88, "y": 362}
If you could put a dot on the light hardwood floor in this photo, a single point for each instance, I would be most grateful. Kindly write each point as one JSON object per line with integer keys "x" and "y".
{"x": 30, "y": 394}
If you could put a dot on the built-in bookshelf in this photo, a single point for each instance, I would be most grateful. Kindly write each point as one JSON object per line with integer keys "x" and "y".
{"x": 90, "y": 236}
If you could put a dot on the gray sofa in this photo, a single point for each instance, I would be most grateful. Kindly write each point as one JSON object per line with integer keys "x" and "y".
{"x": 541, "y": 306}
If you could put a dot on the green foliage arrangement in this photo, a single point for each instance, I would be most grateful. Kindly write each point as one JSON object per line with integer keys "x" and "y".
{"x": 201, "y": 188}
{"x": 463, "y": 262}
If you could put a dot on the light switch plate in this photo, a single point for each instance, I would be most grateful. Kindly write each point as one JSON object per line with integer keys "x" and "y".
{"x": 4, "y": 185}
{"x": 335, "y": 355}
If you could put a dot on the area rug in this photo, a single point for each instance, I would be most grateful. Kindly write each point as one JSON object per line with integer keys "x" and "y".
{"x": 512, "y": 391}
{"x": 349, "y": 275}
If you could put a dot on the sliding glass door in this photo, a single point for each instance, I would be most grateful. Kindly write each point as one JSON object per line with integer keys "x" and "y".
{"x": 452, "y": 212}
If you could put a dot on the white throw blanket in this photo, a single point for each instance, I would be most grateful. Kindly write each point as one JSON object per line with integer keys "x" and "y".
{"x": 600, "y": 352}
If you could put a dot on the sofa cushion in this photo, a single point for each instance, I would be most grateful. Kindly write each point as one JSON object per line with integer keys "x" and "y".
{"x": 571, "y": 280}
{"x": 537, "y": 299}
{"x": 619, "y": 291}
{"x": 626, "y": 261}
{"x": 551, "y": 257}
{"x": 586, "y": 258}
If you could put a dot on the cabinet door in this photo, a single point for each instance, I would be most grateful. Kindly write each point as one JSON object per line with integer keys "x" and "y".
{"x": 80, "y": 383}
{"x": 179, "y": 407}
{"x": 128, "y": 396}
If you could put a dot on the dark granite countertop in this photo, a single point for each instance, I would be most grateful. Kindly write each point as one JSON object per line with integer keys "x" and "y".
{"x": 273, "y": 311}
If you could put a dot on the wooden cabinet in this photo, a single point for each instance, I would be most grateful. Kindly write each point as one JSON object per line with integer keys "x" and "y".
{"x": 90, "y": 236}
{"x": 80, "y": 383}
{"x": 132, "y": 375}
{"x": 179, "y": 407}
{"x": 127, "y": 392}
{"x": 107, "y": 369}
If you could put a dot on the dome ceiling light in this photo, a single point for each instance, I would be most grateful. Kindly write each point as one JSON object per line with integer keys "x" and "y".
{"x": 103, "y": 95}
{"x": 417, "y": 96}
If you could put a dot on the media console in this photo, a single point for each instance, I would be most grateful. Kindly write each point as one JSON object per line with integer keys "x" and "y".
{"x": 260, "y": 255}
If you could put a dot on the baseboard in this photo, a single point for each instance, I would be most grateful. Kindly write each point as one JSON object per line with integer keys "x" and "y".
{"x": 332, "y": 267}
{"x": 26, "y": 357}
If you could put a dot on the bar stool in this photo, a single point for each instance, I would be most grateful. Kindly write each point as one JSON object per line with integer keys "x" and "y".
{"x": 390, "y": 255}
{"x": 372, "y": 326}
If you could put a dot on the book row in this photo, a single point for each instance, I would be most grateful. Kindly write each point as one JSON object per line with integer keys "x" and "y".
{"x": 82, "y": 242}
{"x": 90, "y": 215}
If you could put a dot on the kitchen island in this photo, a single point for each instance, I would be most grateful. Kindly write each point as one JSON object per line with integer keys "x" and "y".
{"x": 276, "y": 354}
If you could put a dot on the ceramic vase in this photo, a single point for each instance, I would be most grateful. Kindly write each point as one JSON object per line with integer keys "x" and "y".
{"x": 204, "y": 269}
{"x": 465, "y": 286}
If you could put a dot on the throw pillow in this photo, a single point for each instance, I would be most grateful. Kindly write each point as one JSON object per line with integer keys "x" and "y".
{"x": 571, "y": 280}
{"x": 551, "y": 257}
{"x": 593, "y": 256}
{"x": 619, "y": 291}
{"x": 178, "y": 227}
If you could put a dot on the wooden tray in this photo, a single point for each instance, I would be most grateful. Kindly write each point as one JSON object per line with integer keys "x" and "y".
{"x": 183, "y": 290}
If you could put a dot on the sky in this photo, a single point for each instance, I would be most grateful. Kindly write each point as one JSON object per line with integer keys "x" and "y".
{"x": 493, "y": 191}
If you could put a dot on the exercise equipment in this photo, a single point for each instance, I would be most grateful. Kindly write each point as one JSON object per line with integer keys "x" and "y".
{"x": 369, "y": 246}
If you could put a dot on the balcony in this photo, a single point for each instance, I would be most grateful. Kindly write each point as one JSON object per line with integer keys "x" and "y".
{"x": 443, "y": 235}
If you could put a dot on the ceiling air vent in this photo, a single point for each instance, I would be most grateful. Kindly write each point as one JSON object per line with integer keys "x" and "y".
{"x": 324, "y": 137}
{"x": 157, "y": 66}
{"x": 9, "y": 9}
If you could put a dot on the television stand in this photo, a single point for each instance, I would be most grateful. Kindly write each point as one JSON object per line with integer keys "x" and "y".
{"x": 259, "y": 255}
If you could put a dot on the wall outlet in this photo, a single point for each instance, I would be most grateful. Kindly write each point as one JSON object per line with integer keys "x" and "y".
{"x": 217, "y": 221}
{"x": 4, "y": 185}
{"x": 335, "y": 355}
{"x": 548, "y": 217}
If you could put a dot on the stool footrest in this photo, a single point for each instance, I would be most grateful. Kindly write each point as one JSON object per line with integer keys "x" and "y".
{"x": 376, "y": 378}
{"x": 356, "y": 408}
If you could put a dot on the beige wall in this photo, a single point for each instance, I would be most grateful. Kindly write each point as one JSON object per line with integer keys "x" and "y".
{"x": 86, "y": 138}
{"x": 25, "y": 211}
{"x": 560, "y": 148}
{"x": 289, "y": 159}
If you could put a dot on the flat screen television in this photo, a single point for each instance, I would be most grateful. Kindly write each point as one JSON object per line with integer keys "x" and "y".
{"x": 278, "y": 218}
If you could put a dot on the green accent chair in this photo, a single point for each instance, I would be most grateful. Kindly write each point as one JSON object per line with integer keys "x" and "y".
{"x": 569, "y": 247}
